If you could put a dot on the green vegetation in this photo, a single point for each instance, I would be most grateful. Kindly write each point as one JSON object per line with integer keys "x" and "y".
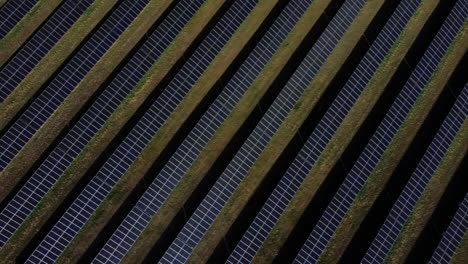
{"x": 59, "y": 120}
{"x": 25, "y": 27}
{"x": 461, "y": 254}
{"x": 152, "y": 151}
{"x": 394, "y": 153}
{"x": 18, "y": 169}
{"x": 52, "y": 61}
{"x": 285, "y": 133}
{"x": 430, "y": 197}
{"x": 189, "y": 182}
{"x": 343, "y": 136}
{"x": 19, "y": 166}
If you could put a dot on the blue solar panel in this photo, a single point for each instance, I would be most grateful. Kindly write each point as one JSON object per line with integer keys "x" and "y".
{"x": 206, "y": 213}
{"x": 289, "y": 184}
{"x": 453, "y": 236}
{"x": 169, "y": 176}
{"x": 354, "y": 181}
{"x": 67, "y": 79}
{"x": 39, "y": 44}
{"x": 11, "y": 13}
{"x": 413, "y": 190}
{"x": 80, "y": 134}
{"x": 126, "y": 153}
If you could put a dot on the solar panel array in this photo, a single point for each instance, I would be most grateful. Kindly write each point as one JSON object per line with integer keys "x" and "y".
{"x": 169, "y": 176}
{"x": 118, "y": 163}
{"x": 67, "y": 79}
{"x": 369, "y": 158}
{"x": 289, "y": 184}
{"x": 453, "y": 236}
{"x": 11, "y": 13}
{"x": 29, "y": 55}
{"x": 21, "y": 205}
{"x": 210, "y": 207}
{"x": 59, "y": 234}
{"x": 413, "y": 190}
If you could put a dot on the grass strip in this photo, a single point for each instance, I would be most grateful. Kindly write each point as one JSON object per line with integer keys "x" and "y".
{"x": 52, "y": 60}
{"x": 25, "y": 27}
{"x": 430, "y": 198}
{"x": 395, "y": 151}
{"x": 461, "y": 254}
{"x": 285, "y": 133}
{"x": 10, "y": 176}
{"x": 343, "y": 135}
{"x": 60, "y": 119}
{"x": 136, "y": 172}
{"x": 224, "y": 134}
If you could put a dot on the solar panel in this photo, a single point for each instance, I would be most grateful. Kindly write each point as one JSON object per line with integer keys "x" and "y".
{"x": 453, "y": 236}
{"x": 29, "y": 55}
{"x": 11, "y": 13}
{"x": 126, "y": 153}
{"x": 67, "y": 79}
{"x": 354, "y": 181}
{"x": 93, "y": 119}
{"x": 123, "y": 238}
{"x": 198, "y": 224}
{"x": 289, "y": 184}
{"x": 418, "y": 181}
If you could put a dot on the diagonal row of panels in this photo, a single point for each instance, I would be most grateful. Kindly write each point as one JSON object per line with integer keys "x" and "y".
{"x": 206, "y": 213}
{"x": 290, "y": 182}
{"x": 42, "y": 107}
{"x": 183, "y": 158}
{"x": 416, "y": 185}
{"x": 39, "y": 45}
{"x": 60, "y": 158}
{"x": 165, "y": 182}
{"x": 355, "y": 180}
{"x": 126, "y": 153}
{"x": 11, "y": 13}
{"x": 455, "y": 233}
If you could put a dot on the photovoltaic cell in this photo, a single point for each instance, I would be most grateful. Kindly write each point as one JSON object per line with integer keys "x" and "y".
{"x": 11, "y": 13}
{"x": 354, "y": 181}
{"x": 67, "y": 79}
{"x": 21, "y": 205}
{"x": 452, "y": 236}
{"x": 29, "y": 55}
{"x": 289, "y": 184}
{"x": 126, "y": 153}
{"x": 123, "y": 238}
{"x": 193, "y": 231}
{"x": 418, "y": 181}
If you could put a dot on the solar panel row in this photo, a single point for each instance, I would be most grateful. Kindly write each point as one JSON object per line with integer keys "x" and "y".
{"x": 116, "y": 166}
{"x": 54, "y": 166}
{"x": 354, "y": 181}
{"x": 67, "y": 79}
{"x": 169, "y": 176}
{"x": 214, "y": 201}
{"x": 289, "y": 184}
{"x": 39, "y": 45}
{"x": 453, "y": 236}
{"x": 11, "y": 13}
{"x": 118, "y": 163}
{"x": 413, "y": 190}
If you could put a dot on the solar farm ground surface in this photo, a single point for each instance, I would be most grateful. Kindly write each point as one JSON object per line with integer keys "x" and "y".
{"x": 238, "y": 131}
